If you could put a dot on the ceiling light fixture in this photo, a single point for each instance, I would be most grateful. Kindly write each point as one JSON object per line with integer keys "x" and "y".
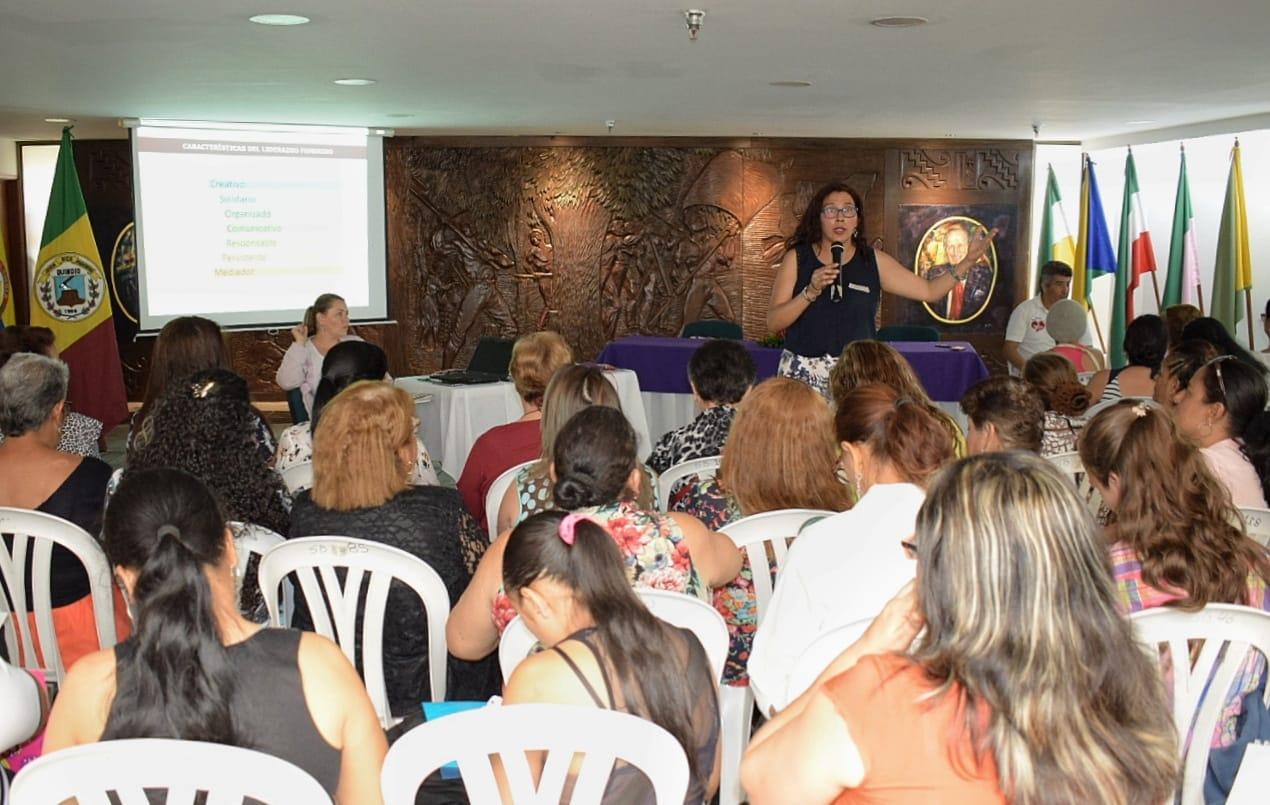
{"x": 789, "y": 83}
{"x": 57, "y": 120}
{"x": 693, "y": 18}
{"x": 1138, "y": 122}
{"x": 354, "y": 82}
{"x": 279, "y": 19}
{"x": 898, "y": 22}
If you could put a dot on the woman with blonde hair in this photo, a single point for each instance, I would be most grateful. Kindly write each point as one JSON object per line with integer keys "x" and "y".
{"x": 325, "y": 325}
{"x": 1066, "y": 400}
{"x": 363, "y": 454}
{"x": 841, "y": 570}
{"x": 780, "y": 454}
{"x": 1175, "y": 542}
{"x": 863, "y": 362}
{"x": 571, "y": 389}
{"x": 536, "y": 357}
{"x": 1027, "y": 686}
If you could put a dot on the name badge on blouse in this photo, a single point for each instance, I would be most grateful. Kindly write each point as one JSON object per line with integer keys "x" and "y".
{"x": 860, "y": 288}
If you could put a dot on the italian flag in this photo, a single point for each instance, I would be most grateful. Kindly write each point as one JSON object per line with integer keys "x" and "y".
{"x": 1056, "y": 242}
{"x": 70, "y": 296}
{"x": 1181, "y": 284}
{"x": 1134, "y": 258}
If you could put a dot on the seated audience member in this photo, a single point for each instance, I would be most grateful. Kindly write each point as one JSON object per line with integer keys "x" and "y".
{"x": 535, "y": 358}
{"x": 1222, "y": 411}
{"x": 205, "y": 425}
{"x": 283, "y": 692}
{"x": 325, "y": 325}
{"x": 1175, "y": 539}
{"x": 1066, "y": 400}
{"x": 843, "y": 569}
{"x": 780, "y": 454}
{"x": 1027, "y": 685}
{"x": 863, "y": 362}
{"x": 571, "y": 389}
{"x": 564, "y": 575}
{"x": 1145, "y": 342}
{"x": 363, "y": 450}
{"x": 185, "y": 345}
{"x": 79, "y": 433}
{"x": 720, "y": 373}
{"x": 34, "y": 474}
{"x": 344, "y": 364}
{"x": 594, "y": 464}
{"x": 1005, "y": 413}
{"x": 1206, "y": 328}
{"x": 1178, "y": 367}
{"x": 1066, "y": 323}
{"x": 1176, "y": 317}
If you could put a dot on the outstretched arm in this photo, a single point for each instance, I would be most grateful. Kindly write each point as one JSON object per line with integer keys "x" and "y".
{"x": 900, "y": 281}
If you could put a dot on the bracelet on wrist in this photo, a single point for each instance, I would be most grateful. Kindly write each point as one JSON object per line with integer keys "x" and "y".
{"x": 808, "y": 296}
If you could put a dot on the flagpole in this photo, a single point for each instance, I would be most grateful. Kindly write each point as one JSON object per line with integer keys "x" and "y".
{"x": 1159, "y": 300}
{"x": 1248, "y": 306}
{"x": 1102, "y": 344}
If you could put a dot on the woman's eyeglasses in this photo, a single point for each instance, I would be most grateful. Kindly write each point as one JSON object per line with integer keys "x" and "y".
{"x": 846, "y": 211}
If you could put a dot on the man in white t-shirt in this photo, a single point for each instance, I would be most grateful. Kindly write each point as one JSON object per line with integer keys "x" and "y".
{"x": 1025, "y": 334}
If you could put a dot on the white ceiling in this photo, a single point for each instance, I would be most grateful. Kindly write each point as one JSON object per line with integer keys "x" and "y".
{"x": 1081, "y": 69}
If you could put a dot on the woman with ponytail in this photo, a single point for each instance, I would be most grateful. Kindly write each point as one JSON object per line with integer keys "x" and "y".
{"x": 325, "y": 325}
{"x": 843, "y": 569}
{"x": 594, "y": 467}
{"x": 195, "y": 669}
{"x": 1066, "y": 400}
{"x": 566, "y": 579}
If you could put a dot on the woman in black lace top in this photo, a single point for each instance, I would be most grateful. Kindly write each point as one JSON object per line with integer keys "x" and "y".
{"x": 363, "y": 454}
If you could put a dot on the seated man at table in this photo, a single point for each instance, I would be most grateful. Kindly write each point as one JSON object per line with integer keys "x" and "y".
{"x": 720, "y": 373}
{"x": 535, "y": 358}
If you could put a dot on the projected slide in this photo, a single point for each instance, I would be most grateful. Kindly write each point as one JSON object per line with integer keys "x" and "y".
{"x": 248, "y": 226}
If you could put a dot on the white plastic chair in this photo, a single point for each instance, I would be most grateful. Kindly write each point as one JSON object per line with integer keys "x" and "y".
{"x": 1257, "y": 524}
{"x": 1253, "y": 779}
{"x": 33, "y": 536}
{"x": 510, "y": 731}
{"x": 298, "y": 477}
{"x": 315, "y": 561}
{"x": 818, "y": 654}
{"x": 1071, "y": 464}
{"x": 1227, "y": 632}
{"x": 756, "y": 535}
{"x": 677, "y": 609}
{"x": 228, "y": 774}
{"x": 494, "y": 497}
{"x": 703, "y": 468}
{"x": 253, "y": 539}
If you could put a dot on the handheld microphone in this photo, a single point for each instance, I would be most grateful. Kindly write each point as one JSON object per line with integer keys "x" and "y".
{"x": 836, "y": 249}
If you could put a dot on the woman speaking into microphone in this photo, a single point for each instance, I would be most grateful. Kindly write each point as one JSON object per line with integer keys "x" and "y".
{"x": 830, "y": 280}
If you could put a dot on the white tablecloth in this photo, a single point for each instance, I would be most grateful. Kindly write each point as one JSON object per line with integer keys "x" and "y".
{"x": 451, "y": 421}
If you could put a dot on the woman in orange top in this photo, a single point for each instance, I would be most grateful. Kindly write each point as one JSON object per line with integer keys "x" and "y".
{"x": 1027, "y": 686}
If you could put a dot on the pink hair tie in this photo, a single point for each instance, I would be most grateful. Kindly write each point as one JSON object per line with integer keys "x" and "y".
{"x": 568, "y": 524}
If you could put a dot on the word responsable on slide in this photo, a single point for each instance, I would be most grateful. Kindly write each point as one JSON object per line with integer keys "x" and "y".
{"x": 249, "y": 225}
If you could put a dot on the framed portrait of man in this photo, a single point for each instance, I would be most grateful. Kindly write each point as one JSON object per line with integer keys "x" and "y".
{"x": 945, "y": 245}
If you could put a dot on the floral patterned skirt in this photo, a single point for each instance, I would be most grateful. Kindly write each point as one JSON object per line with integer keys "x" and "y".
{"x": 812, "y": 371}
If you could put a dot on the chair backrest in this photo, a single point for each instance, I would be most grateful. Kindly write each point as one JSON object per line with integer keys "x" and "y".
{"x": 907, "y": 332}
{"x": 677, "y": 609}
{"x": 31, "y": 536}
{"x": 1071, "y": 464}
{"x": 713, "y": 328}
{"x": 1253, "y": 779}
{"x": 701, "y": 467}
{"x": 334, "y": 606}
{"x": 509, "y": 731}
{"x": 770, "y": 531}
{"x": 494, "y": 497}
{"x": 298, "y": 477}
{"x": 814, "y": 659}
{"x": 256, "y": 540}
{"x": 1228, "y": 633}
{"x": 229, "y": 774}
{"x": 1256, "y": 524}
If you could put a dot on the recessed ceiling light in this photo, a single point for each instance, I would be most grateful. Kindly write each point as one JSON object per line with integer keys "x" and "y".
{"x": 354, "y": 82}
{"x": 789, "y": 84}
{"x": 279, "y": 19}
{"x": 898, "y": 22}
{"x": 1138, "y": 122}
{"x": 400, "y": 114}
{"x": 57, "y": 120}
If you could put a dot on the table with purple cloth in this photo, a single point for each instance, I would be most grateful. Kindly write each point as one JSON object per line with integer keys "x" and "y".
{"x": 946, "y": 369}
